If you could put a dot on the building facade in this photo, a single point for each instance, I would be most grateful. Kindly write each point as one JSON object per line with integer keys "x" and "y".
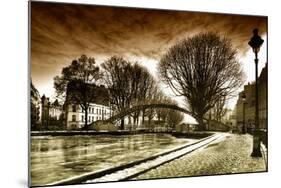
{"x": 51, "y": 114}
{"x": 248, "y": 105}
{"x": 75, "y": 117}
{"x": 35, "y": 104}
{"x": 98, "y": 101}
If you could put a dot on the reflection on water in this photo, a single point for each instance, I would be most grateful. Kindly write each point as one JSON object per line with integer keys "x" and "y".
{"x": 61, "y": 157}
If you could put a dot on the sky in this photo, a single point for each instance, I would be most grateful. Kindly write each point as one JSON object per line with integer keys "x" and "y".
{"x": 61, "y": 33}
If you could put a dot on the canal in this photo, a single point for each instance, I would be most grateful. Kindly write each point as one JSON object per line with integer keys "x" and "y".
{"x": 55, "y": 158}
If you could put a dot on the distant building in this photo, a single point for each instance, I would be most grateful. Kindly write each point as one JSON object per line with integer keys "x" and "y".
{"x": 99, "y": 108}
{"x": 227, "y": 118}
{"x": 51, "y": 114}
{"x": 249, "y": 91}
{"x": 45, "y": 104}
{"x": 233, "y": 120}
{"x": 35, "y": 104}
{"x": 187, "y": 125}
{"x": 75, "y": 116}
{"x": 223, "y": 123}
{"x": 263, "y": 98}
{"x": 55, "y": 110}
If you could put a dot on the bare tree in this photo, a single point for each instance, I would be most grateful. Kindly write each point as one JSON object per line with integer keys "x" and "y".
{"x": 219, "y": 109}
{"x": 118, "y": 80}
{"x": 143, "y": 85}
{"x": 162, "y": 112}
{"x": 152, "y": 97}
{"x": 203, "y": 69}
{"x": 129, "y": 84}
{"x": 174, "y": 118}
{"x": 76, "y": 82}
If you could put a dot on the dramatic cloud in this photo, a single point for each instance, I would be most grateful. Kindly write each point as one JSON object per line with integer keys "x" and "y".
{"x": 62, "y": 32}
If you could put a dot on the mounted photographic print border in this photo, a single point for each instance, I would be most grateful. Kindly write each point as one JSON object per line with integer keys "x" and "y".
{"x": 125, "y": 94}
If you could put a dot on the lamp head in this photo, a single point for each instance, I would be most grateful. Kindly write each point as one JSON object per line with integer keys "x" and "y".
{"x": 244, "y": 97}
{"x": 256, "y": 41}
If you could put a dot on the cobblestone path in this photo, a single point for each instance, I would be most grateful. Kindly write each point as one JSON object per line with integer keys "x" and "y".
{"x": 230, "y": 155}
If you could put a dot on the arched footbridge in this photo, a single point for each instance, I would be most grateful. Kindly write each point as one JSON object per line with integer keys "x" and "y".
{"x": 144, "y": 107}
{"x": 141, "y": 107}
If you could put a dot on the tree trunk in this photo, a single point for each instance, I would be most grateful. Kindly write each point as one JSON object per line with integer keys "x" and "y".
{"x": 129, "y": 120}
{"x": 201, "y": 126}
{"x": 209, "y": 122}
{"x": 122, "y": 124}
{"x": 134, "y": 119}
{"x": 149, "y": 120}
{"x": 65, "y": 116}
{"x": 86, "y": 119}
{"x": 143, "y": 112}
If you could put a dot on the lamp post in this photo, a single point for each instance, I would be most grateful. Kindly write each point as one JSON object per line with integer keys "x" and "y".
{"x": 244, "y": 100}
{"x": 256, "y": 42}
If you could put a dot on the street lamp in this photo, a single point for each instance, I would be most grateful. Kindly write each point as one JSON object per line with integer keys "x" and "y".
{"x": 256, "y": 42}
{"x": 244, "y": 100}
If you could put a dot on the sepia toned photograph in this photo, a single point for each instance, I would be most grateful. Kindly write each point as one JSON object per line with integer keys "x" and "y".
{"x": 127, "y": 94}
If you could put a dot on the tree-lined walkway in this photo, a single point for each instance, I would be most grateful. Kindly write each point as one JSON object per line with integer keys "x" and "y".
{"x": 231, "y": 155}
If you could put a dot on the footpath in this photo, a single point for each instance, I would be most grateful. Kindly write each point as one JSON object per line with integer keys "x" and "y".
{"x": 230, "y": 154}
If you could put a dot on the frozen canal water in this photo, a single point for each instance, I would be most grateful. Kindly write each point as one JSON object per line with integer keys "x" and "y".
{"x": 60, "y": 157}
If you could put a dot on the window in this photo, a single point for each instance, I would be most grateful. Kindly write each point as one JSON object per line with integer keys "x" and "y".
{"x": 73, "y": 117}
{"x": 93, "y": 110}
{"x": 82, "y": 117}
{"x": 97, "y": 111}
{"x": 73, "y": 108}
{"x": 100, "y": 111}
